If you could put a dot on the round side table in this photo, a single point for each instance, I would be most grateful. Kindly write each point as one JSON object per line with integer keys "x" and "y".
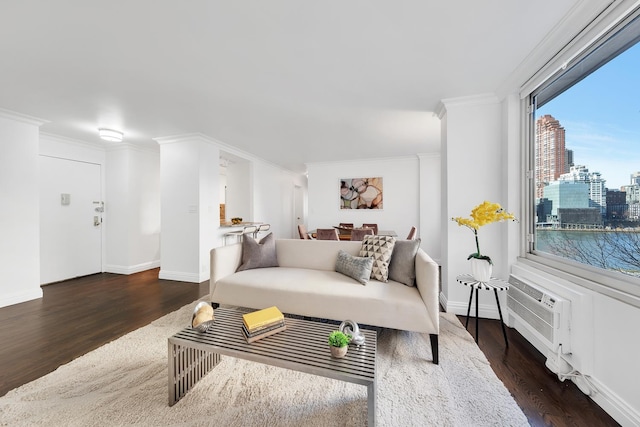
{"x": 493, "y": 284}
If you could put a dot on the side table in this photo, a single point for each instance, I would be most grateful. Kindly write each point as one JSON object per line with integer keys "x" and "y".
{"x": 493, "y": 284}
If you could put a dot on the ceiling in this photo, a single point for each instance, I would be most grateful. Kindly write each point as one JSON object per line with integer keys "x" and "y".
{"x": 289, "y": 81}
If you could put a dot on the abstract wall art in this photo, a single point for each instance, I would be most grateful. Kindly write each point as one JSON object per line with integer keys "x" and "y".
{"x": 361, "y": 193}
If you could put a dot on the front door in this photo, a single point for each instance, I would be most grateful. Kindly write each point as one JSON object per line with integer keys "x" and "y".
{"x": 70, "y": 219}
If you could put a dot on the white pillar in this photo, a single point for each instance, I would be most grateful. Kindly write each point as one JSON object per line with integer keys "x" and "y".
{"x": 190, "y": 201}
{"x": 20, "y": 211}
{"x": 132, "y": 209}
{"x": 472, "y": 172}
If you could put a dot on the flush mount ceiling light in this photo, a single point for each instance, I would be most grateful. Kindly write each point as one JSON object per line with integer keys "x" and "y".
{"x": 110, "y": 135}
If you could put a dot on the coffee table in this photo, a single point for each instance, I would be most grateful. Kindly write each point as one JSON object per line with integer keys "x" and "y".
{"x": 301, "y": 347}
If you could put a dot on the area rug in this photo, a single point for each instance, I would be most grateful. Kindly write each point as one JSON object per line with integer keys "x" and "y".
{"x": 124, "y": 383}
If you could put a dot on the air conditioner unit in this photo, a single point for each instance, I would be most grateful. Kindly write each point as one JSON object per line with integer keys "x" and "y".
{"x": 545, "y": 315}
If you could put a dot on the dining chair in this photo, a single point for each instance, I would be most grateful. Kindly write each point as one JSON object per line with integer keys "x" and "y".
{"x": 412, "y": 233}
{"x": 374, "y": 226}
{"x": 327, "y": 234}
{"x": 239, "y": 234}
{"x": 344, "y": 230}
{"x": 261, "y": 228}
{"x": 359, "y": 233}
{"x": 302, "y": 231}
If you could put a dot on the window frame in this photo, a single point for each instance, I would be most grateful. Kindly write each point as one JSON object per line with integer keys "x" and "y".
{"x": 622, "y": 287}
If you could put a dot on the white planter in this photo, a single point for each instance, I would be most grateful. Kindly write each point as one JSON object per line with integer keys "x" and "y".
{"x": 481, "y": 269}
{"x": 339, "y": 352}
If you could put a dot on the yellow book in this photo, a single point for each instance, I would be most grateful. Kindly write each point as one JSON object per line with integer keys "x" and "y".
{"x": 260, "y": 318}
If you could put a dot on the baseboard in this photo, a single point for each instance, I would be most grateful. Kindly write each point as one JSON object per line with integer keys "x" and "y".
{"x": 123, "y": 269}
{"x": 486, "y": 311}
{"x": 180, "y": 276}
{"x": 443, "y": 301}
{"x": 19, "y": 297}
{"x": 614, "y": 405}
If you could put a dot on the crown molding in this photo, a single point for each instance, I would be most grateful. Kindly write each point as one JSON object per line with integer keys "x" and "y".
{"x": 196, "y": 136}
{"x": 72, "y": 141}
{"x": 466, "y": 101}
{"x": 24, "y": 118}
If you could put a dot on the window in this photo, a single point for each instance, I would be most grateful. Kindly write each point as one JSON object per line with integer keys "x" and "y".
{"x": 585, "y": 155}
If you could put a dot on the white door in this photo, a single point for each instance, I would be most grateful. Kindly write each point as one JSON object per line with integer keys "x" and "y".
{"x": 298, "y": 207}
{"x": 70, "y": 219}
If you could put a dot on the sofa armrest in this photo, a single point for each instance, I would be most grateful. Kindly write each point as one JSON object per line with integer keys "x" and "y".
{"x": 427, "y": 274}
{"x": 225, "y": 260}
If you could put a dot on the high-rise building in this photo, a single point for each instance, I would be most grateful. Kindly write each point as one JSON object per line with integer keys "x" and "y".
{"x": 635, "y": 178}
{"x": 597, "y": 187}
{"x": 568, "y": 159}
{"x": 550, "y": 152}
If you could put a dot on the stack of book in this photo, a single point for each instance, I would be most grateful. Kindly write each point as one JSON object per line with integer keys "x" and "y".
{"x": 262, "y": 323}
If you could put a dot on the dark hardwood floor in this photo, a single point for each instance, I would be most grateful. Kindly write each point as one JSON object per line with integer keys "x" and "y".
{"x": 79, "y": 315}
{"x": 544, "y": 399}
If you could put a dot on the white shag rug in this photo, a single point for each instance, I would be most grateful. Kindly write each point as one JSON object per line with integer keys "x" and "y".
{"x": 124, "y": 383}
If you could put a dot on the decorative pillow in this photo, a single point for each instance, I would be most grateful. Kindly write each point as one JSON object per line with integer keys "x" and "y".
{"x": 358, "y": 268}
{"x": 258, "y": 254}
{"x": 402, "y": 267}
{"x": 379, "y": 248}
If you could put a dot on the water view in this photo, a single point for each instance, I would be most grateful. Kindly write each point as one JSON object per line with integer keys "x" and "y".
{"x": 617, "y": 250}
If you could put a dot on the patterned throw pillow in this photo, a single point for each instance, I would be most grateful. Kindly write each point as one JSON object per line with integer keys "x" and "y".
{"x": 358, "y": 268}
{"x": 380, "y": 249}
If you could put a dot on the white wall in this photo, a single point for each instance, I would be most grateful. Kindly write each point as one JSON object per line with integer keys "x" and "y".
{"x": 472, "y": 173}
{"x": 19, "y": 212}
{"x": 132, "y": 209}
{"x": 401, "y": 195}
{"x": 273, "y": 198}
{"x": 189, "y": 175}
{"x": 239, "y": 201}
{"x": 429, "y": 207}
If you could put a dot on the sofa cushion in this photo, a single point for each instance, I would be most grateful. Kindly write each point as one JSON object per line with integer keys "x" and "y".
{"x": 358, "y": 268}
{"x": 402, "y": 267}
{"x": 379, "y": 248}
{"x": 258, "y": 254}
{"x": 326, "y": 294}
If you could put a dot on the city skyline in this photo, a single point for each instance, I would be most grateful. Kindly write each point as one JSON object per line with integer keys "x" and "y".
{"x": 601, "y": 117}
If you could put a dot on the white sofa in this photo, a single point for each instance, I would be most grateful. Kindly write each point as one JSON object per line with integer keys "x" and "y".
{"x": 306, "y": 283}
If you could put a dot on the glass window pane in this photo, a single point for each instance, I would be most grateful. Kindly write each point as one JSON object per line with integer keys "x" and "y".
{"x": 587, "y": 168}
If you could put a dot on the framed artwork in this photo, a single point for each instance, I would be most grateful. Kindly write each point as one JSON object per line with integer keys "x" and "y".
{"x": 361, "y": 193}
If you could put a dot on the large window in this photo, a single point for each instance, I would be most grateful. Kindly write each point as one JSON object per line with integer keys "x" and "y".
{"x": 585, "y": 155}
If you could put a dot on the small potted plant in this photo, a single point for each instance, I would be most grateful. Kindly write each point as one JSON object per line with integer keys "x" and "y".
{"x": 339, "y": 344}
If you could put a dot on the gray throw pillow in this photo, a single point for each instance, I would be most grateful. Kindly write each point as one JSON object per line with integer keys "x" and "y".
{"x": 358, "y": 268}
{"x": 258, "y": 254}
{"x": 402, "y": 267}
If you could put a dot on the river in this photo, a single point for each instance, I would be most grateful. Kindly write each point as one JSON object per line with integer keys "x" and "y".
{"x": 611, "y": 250}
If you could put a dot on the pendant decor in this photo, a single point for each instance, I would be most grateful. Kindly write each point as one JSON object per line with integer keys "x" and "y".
{"x": 481, "y": 269}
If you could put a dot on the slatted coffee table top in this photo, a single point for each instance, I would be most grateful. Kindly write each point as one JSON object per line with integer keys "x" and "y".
{"x": 302, "y": 346}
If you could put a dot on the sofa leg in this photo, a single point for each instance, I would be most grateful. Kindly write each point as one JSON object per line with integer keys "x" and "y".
{"x": 434, "y": 347}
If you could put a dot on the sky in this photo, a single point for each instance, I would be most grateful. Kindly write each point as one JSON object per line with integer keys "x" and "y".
{"x": 601, "y": 117}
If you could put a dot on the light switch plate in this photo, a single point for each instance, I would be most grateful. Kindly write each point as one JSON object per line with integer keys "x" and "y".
{"x": 65, "y": 199}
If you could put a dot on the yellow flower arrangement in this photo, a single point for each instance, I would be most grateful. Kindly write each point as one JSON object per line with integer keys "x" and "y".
{"x": 483, "y": 214}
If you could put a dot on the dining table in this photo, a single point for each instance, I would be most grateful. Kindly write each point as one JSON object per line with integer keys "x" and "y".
{"x": 345, "y": 233}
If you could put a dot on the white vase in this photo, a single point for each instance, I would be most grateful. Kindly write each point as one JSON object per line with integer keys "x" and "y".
{"x": 339, "y": 352}
{"x": 481, "y": 269}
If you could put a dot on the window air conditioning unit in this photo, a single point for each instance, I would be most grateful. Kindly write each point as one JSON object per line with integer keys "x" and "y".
{"x": 545, "y": 315}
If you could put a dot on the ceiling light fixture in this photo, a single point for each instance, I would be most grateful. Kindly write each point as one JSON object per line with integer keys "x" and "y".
{"x": 110, "y": 135}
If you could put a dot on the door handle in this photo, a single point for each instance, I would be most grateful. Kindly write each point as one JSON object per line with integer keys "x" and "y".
{"x": 96, "y": 221}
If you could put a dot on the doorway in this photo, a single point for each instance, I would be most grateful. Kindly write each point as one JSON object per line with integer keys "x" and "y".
{"x": 70, "y": 219}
